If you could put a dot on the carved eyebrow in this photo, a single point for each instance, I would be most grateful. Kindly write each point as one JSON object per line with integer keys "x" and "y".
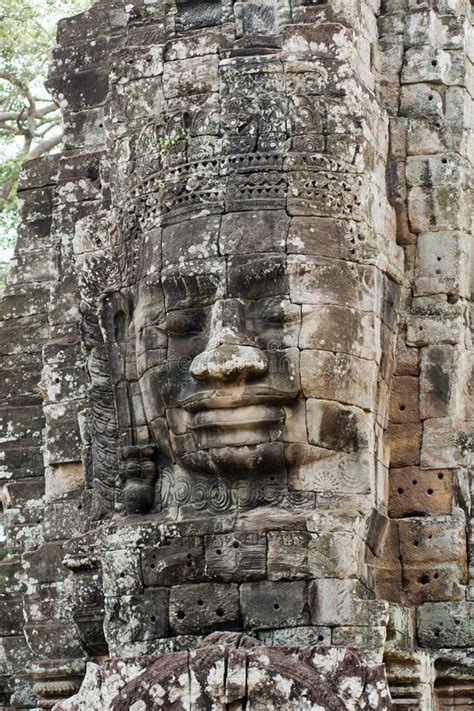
{"x": 185, "y": 291}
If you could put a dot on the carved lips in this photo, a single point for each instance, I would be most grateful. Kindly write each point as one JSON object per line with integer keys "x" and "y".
{"x": 238, "y": 417}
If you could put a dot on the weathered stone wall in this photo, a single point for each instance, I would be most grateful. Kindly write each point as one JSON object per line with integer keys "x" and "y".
{"x": 326, "y": 149}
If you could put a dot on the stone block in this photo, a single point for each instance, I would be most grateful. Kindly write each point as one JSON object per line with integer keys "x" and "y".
{"x": 137, "y": 618}
{"x": 11, "y": 615}
{"x": 63, "y": 439}
{"x": 442, "y": 264}
{"x": 420, "y": 492}
{"x": 404, "y": 400}
{"x": 122, "y": 573}
{"x": 62, "y": 480}
{"x": 436, "y": 209}
{"x": 53, "y": 640}
{"x": 45, "y": 565}
{"x": 300, "y": 636}
{"x": 322, "y": 470}
{"x": 340, "y": 377}
{"x": 421, "y": 101}
{"x": 421, "y": 23}
{"x": 236, "y": 557}
{"x": 404, "y": 441}
{"x": 436, "y": 380}
{"x": 340, "y": 428}
{"x": 267, "y": 605}
{"x": 434, "y": 558}
{"x": 64, "y": 518}
{"x": 49, "y": 603}
{"x": 300, "y": 555}
{"x": 201, "y": 608}
{"x": 255, "y": 19}
{"x": 434, "y": 321}
{"x": 334, "y": 602}
{"x": 316, "y": 280}
{"x": 39, "y": 173}
{"x": 247, "y": 232}
{"x": 328, "y": 237}
{"x": 21, "y": 425}
{"x": 446, "y": 624}
{"x": 176, "y": 561}
{"x": 196, "y": 239}
{"x": 366, "y": 638}
{"x": 35, "y": 204}
{"x": 15, "y": 655}
{"x": 187, "y": 77}
{"x": 445, "y": 444}
{"x": 27, "y": 497}
{"x": 432, "y": 65}
{"x": 341, "y": 329}
{"x": 262, "y": 276}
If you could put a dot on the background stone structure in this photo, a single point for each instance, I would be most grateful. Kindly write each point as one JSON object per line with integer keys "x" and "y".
{"x": 265, "y": 194}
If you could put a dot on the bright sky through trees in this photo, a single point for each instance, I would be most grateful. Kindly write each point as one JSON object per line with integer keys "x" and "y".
{"x": 30, "y": 122}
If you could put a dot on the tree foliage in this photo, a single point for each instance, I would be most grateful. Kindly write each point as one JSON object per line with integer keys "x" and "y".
{"x": 30, "y": 121}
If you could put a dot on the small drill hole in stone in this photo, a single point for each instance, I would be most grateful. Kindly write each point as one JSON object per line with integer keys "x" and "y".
{"x": 430, "y": 492}
{"x": 180, "y": 614}
{"x": 218, "y": 551}
{"x": 189, "y": 564}
{"x": 400, "y": 490}
{"x": 188, "y": 556}
{"x": 430, "y": 97}
{"x": 440, "y": 476}
{"x": 403, "y": 408}
{"x": 122, "y": 575}
{"x": 438, "y": 259}
{"x": 444, "y": 160}
{"x": 416, "y": 543}
{"x": 320, "y": 638}
{"x": 457, "y": 622}
{"x": 276, "y": 606}
{"x": 235, "y": 544}
{"x": 220, "y": 612}
{"x": 200, "y": 603}
{"x": 153, "y": 618}
{"x": 437, "y": 633}
{"x": 434, "y": 63}
{"x": 425, "y": 579}
{"x": 415, "y": 482}
{"x": 436, "y": 576}
{"x": 152, "y": 566}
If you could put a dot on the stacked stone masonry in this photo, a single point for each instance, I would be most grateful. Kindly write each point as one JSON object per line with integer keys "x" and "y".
{"x": 237, "y": 397}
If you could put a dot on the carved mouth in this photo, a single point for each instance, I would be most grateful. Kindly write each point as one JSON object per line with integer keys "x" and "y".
{"x": 238, "y": 417}
{"x": 231, "y": 402}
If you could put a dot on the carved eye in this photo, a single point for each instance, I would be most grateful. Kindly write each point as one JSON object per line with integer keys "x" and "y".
{"x": 152, "y": 337}
{"x": 186, "y": 322}
{"x": 119, "y": 327}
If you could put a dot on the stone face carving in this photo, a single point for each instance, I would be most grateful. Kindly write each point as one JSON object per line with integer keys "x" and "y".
{"x": 244, "y": 478}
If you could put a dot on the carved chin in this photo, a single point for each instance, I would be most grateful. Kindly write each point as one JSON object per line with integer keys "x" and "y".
{"x": 234, "y": 460}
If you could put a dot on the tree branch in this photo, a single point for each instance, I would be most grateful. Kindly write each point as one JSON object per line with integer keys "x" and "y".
{"x": 46, "y": 145}
{"x": 21, "y": 86}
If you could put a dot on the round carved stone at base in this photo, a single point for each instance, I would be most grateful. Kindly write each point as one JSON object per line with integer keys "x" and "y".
{"x": 231, "y": 670}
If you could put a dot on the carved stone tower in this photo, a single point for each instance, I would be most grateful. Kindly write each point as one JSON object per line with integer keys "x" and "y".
{"x": 237, "y": 364}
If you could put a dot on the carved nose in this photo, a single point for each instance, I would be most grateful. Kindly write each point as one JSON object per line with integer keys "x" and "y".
{"x": 228, "y": 361}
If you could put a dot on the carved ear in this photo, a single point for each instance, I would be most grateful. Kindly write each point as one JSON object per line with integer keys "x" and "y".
{"x": 137, "y": 466}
